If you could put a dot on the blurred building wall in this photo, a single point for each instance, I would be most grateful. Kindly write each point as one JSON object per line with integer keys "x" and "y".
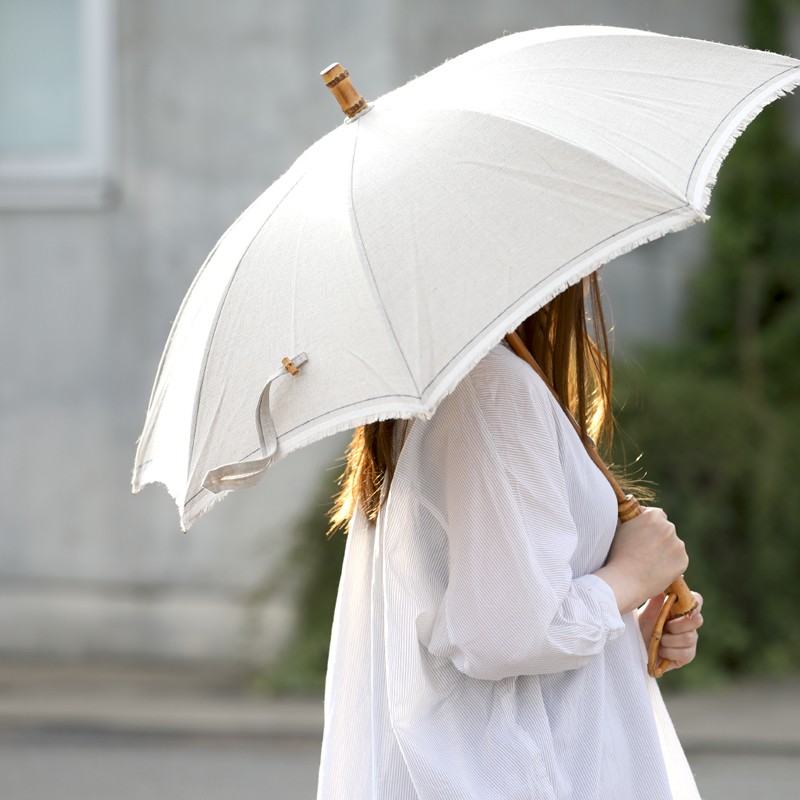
{"x": 212, "y": 102}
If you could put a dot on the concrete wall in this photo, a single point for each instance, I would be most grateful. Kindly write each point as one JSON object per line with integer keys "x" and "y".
{"x": 215, "y": 101}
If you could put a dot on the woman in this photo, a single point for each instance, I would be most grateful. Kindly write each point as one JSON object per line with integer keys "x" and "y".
{"x": 486, "y": 642}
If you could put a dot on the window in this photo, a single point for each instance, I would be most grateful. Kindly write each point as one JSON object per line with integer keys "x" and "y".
{"x": 57, "y": 61}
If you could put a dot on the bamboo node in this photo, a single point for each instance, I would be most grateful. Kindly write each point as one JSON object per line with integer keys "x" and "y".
{"x": 337, "y": 79}
{"x": 628, "y": 508}
{"x": 353, "y": 110}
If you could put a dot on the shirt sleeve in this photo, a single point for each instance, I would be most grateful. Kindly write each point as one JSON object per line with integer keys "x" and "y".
{"x": 512, "y": 605}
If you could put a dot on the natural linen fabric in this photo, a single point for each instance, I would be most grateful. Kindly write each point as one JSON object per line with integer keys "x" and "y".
{"x": 473, "y": 654}
{"x": 399, "y": 248}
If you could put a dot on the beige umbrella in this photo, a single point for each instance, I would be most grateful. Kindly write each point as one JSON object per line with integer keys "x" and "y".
{"x": 403, "y": 245}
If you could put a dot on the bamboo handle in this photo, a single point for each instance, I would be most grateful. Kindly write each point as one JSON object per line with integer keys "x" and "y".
{"x": 337, "y": 79}
{"x": 679, "y": 599}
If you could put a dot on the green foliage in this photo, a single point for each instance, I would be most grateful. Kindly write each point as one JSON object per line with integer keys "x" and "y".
{"x": 718, "y": 417}
{"x": 727, "y": 480}
{"x": 312, "y": 571}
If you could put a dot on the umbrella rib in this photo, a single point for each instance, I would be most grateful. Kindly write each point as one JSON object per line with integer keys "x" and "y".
{"x": 181, "y": 310}
{"x": 656, "y": 185}
{"x": 333, "y": 411}
{"x": 742, "y": 124}
{"x": 364, "y": 258}
{"x": 207, "y": 353}
{"x": 144, "y": 443}
{"x": 306, "y": 422}
{"x": 545, "y": 278}
{"x": 485, "y": 327}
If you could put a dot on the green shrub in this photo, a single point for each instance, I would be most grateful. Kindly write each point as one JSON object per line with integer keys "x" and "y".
{"x": 727, "y": 479}
{"x": 312, "y": 571}
{"x": 717, "y": 412}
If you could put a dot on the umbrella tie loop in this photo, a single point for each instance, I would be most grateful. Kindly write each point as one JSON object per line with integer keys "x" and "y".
{"x": 248, "y": 473}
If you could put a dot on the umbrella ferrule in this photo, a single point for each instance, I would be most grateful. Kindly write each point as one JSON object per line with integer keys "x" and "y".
{"x": 337, "y": 79}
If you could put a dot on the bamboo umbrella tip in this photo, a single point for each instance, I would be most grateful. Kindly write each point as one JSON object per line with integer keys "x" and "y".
{"x": 331, "y": 70}
{"x": 337, "y": 79}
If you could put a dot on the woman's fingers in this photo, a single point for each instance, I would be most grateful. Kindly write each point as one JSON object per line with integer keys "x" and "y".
{"x": 680, "y": 653}
{"x": 690, "y": 622}
{"x": 679, "y": 648}
{"x": 678, "y": 656}
{"x": 679, "y": 640}
{"x": 683, "y": 624}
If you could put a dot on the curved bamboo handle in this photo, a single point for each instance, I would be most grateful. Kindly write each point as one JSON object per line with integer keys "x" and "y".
{"x": 679, "y": 599}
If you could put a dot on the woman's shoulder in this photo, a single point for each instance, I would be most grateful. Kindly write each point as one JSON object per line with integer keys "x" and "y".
{"x": 498, "y": 394}
{"x": 499, "y": 406}
{"x": 502, "y": 380}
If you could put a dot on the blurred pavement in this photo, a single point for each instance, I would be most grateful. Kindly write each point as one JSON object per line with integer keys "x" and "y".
{"x": 96, "y": 731}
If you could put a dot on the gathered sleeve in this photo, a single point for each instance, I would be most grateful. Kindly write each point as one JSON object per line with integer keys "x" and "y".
{"x": 512, "y": 605}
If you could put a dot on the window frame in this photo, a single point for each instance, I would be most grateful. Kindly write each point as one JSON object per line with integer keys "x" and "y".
{"x": 87, "y": 179}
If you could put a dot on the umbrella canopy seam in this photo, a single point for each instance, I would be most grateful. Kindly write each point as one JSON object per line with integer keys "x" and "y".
{"x": 579, "y": 269}
{"x": 559, "y": 268}
{"x": 409, "y": 414}
{"x": 364, "y": 259}
{"x": 181, "y": 310}
{"x": 752, "y": 104}
{"x": 136, "y": 486}
{"x": 210, "y": 340}
{"x": 658, "y": 186}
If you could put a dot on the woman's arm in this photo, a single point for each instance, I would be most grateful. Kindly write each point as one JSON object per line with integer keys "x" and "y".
{"x": 645, "y": 556}
{"x": 512, "y": 605}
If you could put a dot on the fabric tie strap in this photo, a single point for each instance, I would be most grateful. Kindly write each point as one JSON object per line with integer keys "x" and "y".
{"x": 248, "y": 473}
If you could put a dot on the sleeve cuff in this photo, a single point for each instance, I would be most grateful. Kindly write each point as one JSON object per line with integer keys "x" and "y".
{"x": 605, "y": 601}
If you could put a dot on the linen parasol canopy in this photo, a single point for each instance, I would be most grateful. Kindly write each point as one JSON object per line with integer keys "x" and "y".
{"x": 403, "y": 245}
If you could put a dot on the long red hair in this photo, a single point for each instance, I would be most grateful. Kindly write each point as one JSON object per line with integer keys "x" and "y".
{"x": 568, "y": 339}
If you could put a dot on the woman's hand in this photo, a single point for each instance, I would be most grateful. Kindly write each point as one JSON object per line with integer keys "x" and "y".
{"x": 646, "y": 556}
{"x": 679, "y": 640}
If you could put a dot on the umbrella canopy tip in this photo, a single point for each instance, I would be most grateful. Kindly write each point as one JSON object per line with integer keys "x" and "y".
{"x": 337, "y": 79}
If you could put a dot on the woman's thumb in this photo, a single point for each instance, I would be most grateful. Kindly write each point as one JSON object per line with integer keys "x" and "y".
{"x": 649, "y": 613}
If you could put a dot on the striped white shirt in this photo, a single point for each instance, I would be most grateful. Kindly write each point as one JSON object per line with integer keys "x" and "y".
{"x": 473, "y": 655}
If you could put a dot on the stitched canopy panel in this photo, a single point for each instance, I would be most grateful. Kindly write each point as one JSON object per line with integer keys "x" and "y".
{"x": 403, "y": 245}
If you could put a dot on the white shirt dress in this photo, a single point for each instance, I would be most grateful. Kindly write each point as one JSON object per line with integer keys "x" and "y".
{"x": 473, "y": 653}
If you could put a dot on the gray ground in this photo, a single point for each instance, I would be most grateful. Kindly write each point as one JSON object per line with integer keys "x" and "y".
{"x": 69, "y": 767}
{"x": 86, "y": 734}
{"x": 81, "y": 767}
